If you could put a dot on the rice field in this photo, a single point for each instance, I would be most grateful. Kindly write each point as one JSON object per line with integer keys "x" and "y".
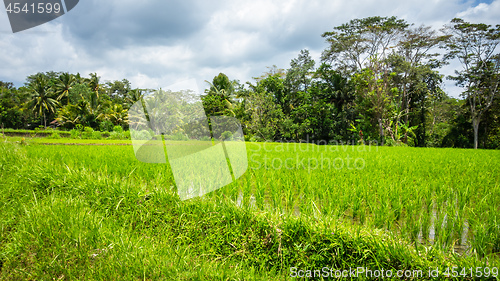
{"x": 448, "y": 198}
{"x": 439, "y": 202}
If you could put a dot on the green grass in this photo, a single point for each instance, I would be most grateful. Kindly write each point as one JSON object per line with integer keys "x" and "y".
{"x": 35, "y": 132}
{"x": 65, "y": 141}
{"x": 94, "y": 212}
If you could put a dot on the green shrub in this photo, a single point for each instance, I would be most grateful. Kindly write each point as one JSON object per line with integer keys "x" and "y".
{"x": 205, "y": 138}
{"x": 75, "y": 134}
{"x": 87, "y": 133}
{"x": 179, "y": 136}
{"x": 54, "y": 135}
{"x": 126, "y": 135}
{"x": 106, "y": 126}
{"x": 141, "y": 135}
{"x": 227, "y": 135}
{"x": 248, "y": 137}
{"x": 118, "y": 129}
{"x": 116, "y": 136}
{"x": 96, "y": 135}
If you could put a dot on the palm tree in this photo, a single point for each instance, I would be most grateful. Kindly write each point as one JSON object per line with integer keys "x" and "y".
{"x": 69, "y": 116}
{"x": 116, "y": 114}
{"x": 79, "y": 79}
{"x": 94, "y": 83}
{"x": 134, "y": 96}
{"x": 42, "y": 102}
{"x": 218, "y": 101}
{"x": 63, "y": 85}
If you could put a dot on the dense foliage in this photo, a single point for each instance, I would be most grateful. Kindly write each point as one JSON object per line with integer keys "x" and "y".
{"x": 378, "y": 81}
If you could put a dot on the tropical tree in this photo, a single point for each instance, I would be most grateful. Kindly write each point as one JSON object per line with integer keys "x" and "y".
{"x": 134, "y": 96}
{"x": 219, "y": 97}
{"x": 361, "y": 42}
{"x": 94, "y": 84}
{"x": 63, "y": 85}
{"x": 298, "y": 80}
{"x": 266, "y": 116}
{"x": 375, "y": 99}
{"x": 43, "y": 101}
{"x": 413, "y": 62}
{"x": 474, "y": 45}
{"x": 116, "y": 114}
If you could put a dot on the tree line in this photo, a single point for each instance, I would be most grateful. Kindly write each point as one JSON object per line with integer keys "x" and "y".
{"x": 377, "y": 81}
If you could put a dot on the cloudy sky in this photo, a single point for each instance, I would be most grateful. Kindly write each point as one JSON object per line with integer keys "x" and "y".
{"x": 155, "y": 43}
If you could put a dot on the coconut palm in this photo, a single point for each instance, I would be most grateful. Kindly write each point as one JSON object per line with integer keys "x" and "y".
{"x": 69, "y": 116}
{"x": 94, "y": 83}
{"x": 42, "y": 102}
{"x": 218, "y": 101}
{"x": 116, "y": 114}
{"x": 63, "y": 85}
{"x": 134, "y": 96}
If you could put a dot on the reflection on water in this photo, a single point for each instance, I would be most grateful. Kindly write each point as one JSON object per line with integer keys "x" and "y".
{"x": 460, "y": 245}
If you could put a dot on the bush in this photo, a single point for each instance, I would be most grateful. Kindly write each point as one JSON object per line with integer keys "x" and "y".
{"x": 106, "y": 126}
{"x": 205, "y": 138}
{"x": 96, "y": 135}
{"x": 141, "y": 135}
{"x": 75, "y": 134}
{"x": 179, "y": 136}
{"x": 126, "y": 135}
{"x": 237, "y": 136}
{"x": 227, "y": 135}
{"x": 118, "y": 129}
{"x": 87, "y": 133}
{"x": 117, "y": 136}
{"x": 54, "y": 135}
{"x": 255, "y": 139}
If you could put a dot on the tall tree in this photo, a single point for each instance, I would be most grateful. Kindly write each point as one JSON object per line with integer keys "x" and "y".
{"x": 357, "y": 44}
{"x": 266, "y": 115}
{"x": 335, "y": 90}
{"x": 42, "y": 102}
{"x": 474, "y": 45}
{"x": 63, "y": 85}
{"x": 298, "y": 80}
{"x": 134, "y": 96}
{"x": 361, "y": 49}
{"x": 219, "y": 97}
{"x": 94, "y": 83}
{"x": 414, "y": 62}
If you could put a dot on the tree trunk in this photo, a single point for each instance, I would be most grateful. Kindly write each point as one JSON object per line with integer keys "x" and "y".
{"x": 381, "y": 128}
{"x": 475, "y": 125}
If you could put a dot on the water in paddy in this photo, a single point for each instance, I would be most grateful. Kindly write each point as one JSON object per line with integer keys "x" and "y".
{"x": 426, "y": 236}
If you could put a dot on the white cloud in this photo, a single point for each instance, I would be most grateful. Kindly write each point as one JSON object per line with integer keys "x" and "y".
{"x": 155, "y": 43}
{"x": 484, "y": 13}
